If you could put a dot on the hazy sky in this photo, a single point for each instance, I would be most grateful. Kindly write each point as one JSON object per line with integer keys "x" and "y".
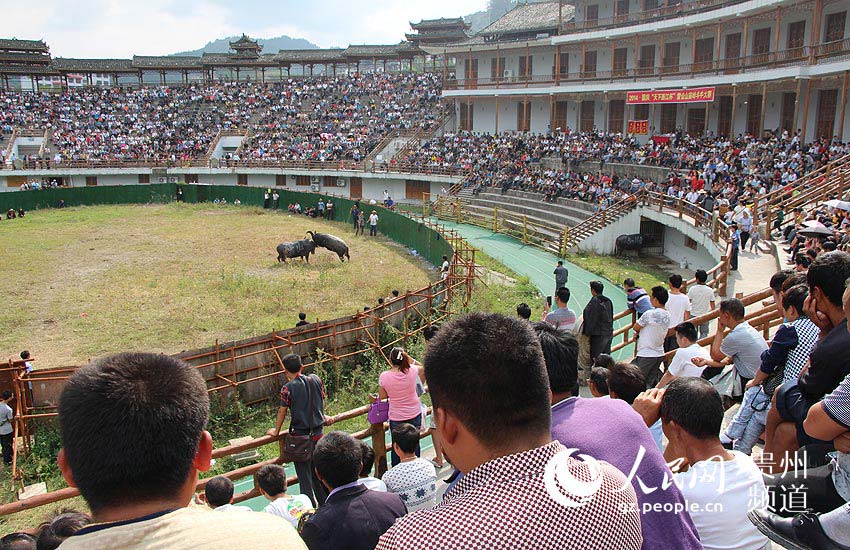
{"x": 114, "y": 28}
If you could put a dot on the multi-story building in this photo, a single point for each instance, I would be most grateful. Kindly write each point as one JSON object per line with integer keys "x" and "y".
{"x": 722, "y": 67}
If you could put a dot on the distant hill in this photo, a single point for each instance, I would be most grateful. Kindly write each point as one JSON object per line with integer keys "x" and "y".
{"x": 270, "y": 45}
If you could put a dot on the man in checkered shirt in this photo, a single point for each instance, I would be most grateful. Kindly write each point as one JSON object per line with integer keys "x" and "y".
{"x": 520, "y": 489}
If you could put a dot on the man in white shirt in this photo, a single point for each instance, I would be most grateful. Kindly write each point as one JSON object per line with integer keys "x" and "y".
{"x": 652, "y": 328}
{"x": 720, "y": 486}
{"x": 702, "y": 300}
{"x": 679, "y": 307}
{"x": 414, "y": 479}
{"x": 681, "y": 365}
{"x": 373, "y": 223}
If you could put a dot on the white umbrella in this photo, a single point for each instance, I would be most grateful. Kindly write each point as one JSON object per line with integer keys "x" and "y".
{"x": 841, "y": 205}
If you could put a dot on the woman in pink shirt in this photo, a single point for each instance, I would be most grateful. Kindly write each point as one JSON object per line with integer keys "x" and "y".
{"x": 399, "y": 384}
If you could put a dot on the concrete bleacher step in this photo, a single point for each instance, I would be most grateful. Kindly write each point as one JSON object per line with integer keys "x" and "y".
{"x": 540, "y": 211}
{"x": 544, "y": 228}
{"x": 572, "y": 209}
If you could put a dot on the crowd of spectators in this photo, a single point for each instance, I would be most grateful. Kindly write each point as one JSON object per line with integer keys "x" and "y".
{"x": 317, "y": 119}
{"x": 725, "y": 169}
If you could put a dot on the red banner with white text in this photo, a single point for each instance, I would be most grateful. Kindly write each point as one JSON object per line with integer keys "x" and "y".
{"x": 692, "y": 95}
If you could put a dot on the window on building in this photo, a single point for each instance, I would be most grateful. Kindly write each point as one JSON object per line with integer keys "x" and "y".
{"x": 703, "y": 53}
{"x": 242, "y": 179}
{"x": 796, "y": 33}
{"x": 302, "y": 181}
{"x": 465, "y": 117}
{"x": 589, "y": 65}
{"x": 761, "y": 45}
{"x": 471, "y": 73}
{"x": 668, "y": 118}
{"x": 786, "y": 112}
{"x": 588, "y": 109}
{"x": 696, "y": 121}
{"x": 622, "y": 9}
{"x": 523, "y": 116}
{"x": 559, "y": 117}
{"x": 620, "y": 64}
{"x": 827, "y": 100}
{"x": 91, "y": 181}
{"x": 754, "y": 114}
{"x": 670, "y": 63}
{"x": 526, "y": 67}
{"x": 732, "y": 54}
{"x": 641, "y": 112}
{"x": 144, "y": 178}
{"x": 835, "y": 26}
{"x": 724, "y": 116}
{"x": 563, "y": 60}
{"x": 616, "y": 115}
{"x": 646, "y": 65}
{"x": 649, "y": 5}
{"x": 280, "y": 180}
{"x": 497, "y": 68}
{"x": 591, "y": 15}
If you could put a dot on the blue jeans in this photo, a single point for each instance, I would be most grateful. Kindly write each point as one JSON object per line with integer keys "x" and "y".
{"x": 417, "y": 422}
{"x": 750, "y": 420}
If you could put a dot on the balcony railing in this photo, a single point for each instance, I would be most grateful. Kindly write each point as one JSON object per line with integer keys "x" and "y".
{"x": 703, "y": 67}
{"x": 686, "y": 7}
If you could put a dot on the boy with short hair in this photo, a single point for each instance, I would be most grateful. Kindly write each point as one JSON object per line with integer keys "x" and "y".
{"x": 219, "y": 495}
{"x": 414, "y": 479}
{"x": 366, "y": 478}
{"x": 271, "y": 479}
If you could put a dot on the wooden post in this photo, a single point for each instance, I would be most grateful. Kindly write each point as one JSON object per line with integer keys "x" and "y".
{"x": 734, "y": 108}
{"x": 693, "y": 49}
{"x": 565, "y": 241}
{"x": 527, "y": 68}
{"x": 681, "y": 208}
{"x": 583, "y": 58}
{"x": 495, "y": 219}
{"x": 445, "y": 67}
{"x": 719, "y": 40}
{"x": 815, "y": 34}
{"x": 524, "y": 230}
{"x": 797, "y": 106}
{"x": 843, "y": 105}
{"x": 763, "y": 108}
{"x": 497, "y": 113}
{"x": 560, "y": 16}
{"x": 776, "y": 35}
{"x": 558, "y": 53}
{"x": 379, "y": 445}
{"x": 806, "y": 111}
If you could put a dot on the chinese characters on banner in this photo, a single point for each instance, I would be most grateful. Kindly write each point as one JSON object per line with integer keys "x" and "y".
{"x": 639, "y": 127}
{"x": 693, "y": 95}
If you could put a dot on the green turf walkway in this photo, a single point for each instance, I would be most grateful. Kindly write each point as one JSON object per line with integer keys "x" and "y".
{"x": 538, "y": 266}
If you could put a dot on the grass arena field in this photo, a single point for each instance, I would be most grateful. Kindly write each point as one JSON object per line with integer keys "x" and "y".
{"x": 82, "y": 282}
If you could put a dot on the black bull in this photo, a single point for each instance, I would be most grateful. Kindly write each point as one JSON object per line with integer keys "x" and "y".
{"x": 634, "y": 242}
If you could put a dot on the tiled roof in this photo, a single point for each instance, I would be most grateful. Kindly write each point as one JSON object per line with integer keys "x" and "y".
{"x": 442, "y": 23}
{"x": 525, "y": 18}
{"x": 96, "y": 65}
{"x": 166, "y": 61}
{"x": 320, "y": 56}
{"x": 365, "y": 50}
{"x": 447, "y": 36}
{"x": 24, "y": 70}
{"x": 24, "y": 57}
{"x": 245, "y": 42}
{"x": 15, "y": 44}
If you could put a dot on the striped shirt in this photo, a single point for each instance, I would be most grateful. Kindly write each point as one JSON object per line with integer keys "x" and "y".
{"x": 837, "y": 406}
{"x": 562, "y": 319}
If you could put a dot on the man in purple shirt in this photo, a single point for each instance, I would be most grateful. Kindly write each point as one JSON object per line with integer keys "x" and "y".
{"x": 579, "y": 423}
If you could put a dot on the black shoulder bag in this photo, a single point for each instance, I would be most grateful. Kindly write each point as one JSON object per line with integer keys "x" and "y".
{"x": 299, "y": 448}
